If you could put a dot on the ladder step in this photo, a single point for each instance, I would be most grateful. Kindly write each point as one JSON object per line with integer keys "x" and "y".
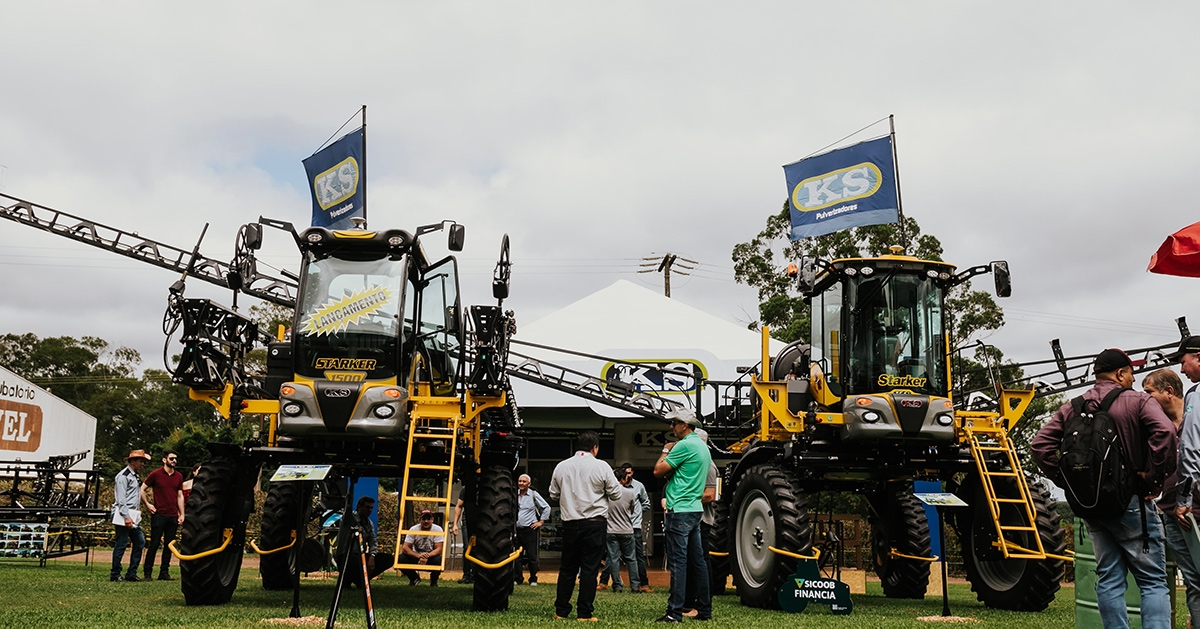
{"x": 429, "y": 467}
{"x": 426, "y": 499}
{"x": 992, "y": 448}
{"x": 1018, "y": 528}
{"x": 999, "y": 473}
{"x": 440, "y": 435}
{"x": 1013, "y": 500}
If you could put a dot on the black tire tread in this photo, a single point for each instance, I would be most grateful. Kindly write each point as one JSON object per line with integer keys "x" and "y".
{"x": 494, "y": 528}
{"x": 1039, "y": 584}
{"x": 903, "y": 578}
{"x": 792, "y": 525}
{"x": 718, "y": 541}
{"x": 278, "y": 519}
{"x": 209, "y": 580}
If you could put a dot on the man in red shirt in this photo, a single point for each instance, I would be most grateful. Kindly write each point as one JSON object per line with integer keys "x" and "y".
{"x": 167, "y": 510}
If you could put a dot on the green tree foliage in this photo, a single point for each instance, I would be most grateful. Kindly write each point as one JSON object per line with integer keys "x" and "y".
{"x": 131, "y": 411}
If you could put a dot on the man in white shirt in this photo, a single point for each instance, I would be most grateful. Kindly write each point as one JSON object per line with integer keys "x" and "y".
{"x": 582, "y": 485}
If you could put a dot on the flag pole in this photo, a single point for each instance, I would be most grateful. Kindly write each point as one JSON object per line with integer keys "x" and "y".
{"x": 899, "y": 199}
{"x": 365, "y": 163}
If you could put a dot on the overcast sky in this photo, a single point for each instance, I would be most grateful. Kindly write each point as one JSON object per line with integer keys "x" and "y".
{"x": 1062, "y": 137}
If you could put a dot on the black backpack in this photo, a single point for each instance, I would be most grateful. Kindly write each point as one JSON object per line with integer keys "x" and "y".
{"x": 1095, "y": 473}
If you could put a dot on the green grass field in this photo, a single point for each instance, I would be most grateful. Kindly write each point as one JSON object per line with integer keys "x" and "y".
{"x": 68, "y": 594}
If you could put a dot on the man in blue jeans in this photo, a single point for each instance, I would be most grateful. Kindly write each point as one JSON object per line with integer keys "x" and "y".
{"x": 685, "y": 463}
{"x": 1132, "y": 541}
{"x": 127, "y": 517}
{"x": 1166, "y": 388}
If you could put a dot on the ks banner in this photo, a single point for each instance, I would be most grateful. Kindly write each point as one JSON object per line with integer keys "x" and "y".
{"x": 843, "y": 189}
{"x": 335, "y": 179}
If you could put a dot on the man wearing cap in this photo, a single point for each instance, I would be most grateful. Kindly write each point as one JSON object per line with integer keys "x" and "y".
{"x": 1188, "y": 356}
{"x": 685, "y": 463}
{"x": 423, "y": 549}
{"x": 582, "y": 485}
{"x": 166, "y": 512}
{"x": 126, "y": 517}
{"x": 1130, "y": 541}
{"x": 532, "y": 513}
{"x": 377, "y": 563}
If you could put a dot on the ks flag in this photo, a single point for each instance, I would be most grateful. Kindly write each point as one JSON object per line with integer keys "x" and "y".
{"x": 843, "y": 189}
{"x": 335, "y": 179}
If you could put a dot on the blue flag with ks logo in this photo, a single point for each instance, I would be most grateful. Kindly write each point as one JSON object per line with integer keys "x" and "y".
{"x": 844, "y": 188}
{"x": 336, "y": 182}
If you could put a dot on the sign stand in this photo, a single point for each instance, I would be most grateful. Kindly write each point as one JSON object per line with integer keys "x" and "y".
{"x": 808, "y": 586}
{"x": 940, "y": 502}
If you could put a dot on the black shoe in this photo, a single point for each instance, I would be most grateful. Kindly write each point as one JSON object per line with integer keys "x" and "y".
{"x": 466, "y": 581}
{"x": 162, "y": 576}
{"x": 146, "y": 576}
{"x": 116, "y": 579}
{"x": 133, "y": 578}
{"x": 702, "y": 618}
{"x": 415, "y": 581}
{"x": 668, "y": 618}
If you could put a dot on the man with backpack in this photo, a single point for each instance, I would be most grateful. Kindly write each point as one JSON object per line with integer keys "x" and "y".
{"x": 1110, "y": 450}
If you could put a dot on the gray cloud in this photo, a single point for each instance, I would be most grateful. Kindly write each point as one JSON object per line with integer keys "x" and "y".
{"x": 1060, "y": 137}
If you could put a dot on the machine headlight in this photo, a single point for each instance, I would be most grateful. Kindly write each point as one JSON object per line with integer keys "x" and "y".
{"x": 943, "y": 275}
{"x": 867, "y": 271}
{"x": 395, "y": 241}
{"x": 932, "y": 273}
{"x": 384, "y": 412}
{"x": 292, "y": 409}
{"x": 871, "y": 417}
{"x": 851, "y": 272}
{"x": 314, "y": 237}
{"x": 945, "y": 419}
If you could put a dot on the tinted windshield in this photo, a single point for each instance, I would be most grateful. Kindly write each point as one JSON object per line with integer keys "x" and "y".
{"x": 347, "y": 318}
{"x": 896, "y": 338}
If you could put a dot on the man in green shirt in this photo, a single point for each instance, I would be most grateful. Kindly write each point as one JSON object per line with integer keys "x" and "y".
{"x": 685, "y": 464}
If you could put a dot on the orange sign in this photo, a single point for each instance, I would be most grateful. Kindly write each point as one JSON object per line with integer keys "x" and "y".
{"x": 20, "y": 426}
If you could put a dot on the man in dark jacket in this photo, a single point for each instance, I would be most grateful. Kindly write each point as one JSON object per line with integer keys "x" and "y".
{"x": 1131, "y": 541}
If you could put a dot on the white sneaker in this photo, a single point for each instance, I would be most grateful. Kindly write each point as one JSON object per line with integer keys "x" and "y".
{"x": 533, "y": 584}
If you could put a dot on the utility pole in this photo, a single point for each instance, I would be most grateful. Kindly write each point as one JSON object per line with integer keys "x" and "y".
{"x": 664, "y": 264}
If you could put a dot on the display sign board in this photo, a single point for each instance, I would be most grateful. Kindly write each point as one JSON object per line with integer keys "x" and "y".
{"x": 35, "y": 425}
{"x": 301, "y": 472}
{"x": 941, "y": 500}
{"x": 26, "y": 540}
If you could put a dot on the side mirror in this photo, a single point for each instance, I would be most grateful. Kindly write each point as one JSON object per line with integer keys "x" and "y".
{"x": 1003, "y": 280}
{"x": 808, "y": 274}
{"x": 458, "y": 235}
{"x": 252, "y": 236}
{"x": 453, "y": 324}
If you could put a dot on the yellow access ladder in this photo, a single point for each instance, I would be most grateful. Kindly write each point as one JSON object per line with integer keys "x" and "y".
{"x": 423, "y": 431}
{"x": 986, "y": 438}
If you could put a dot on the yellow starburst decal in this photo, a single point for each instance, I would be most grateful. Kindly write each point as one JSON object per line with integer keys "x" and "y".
{"x": 338, "y": 314}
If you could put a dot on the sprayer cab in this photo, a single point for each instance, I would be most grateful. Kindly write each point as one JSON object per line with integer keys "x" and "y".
{"x": 878, "y": 359}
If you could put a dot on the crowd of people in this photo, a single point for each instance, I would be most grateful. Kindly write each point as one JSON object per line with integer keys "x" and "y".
{"x": 602, "y": 509}
{"x": 1157, "y": 440}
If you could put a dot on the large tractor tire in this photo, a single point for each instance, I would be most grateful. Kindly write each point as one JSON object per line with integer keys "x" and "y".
{"x": 1011, "y": 584}
{"x": 280, "y": 511}
{"x": 212, "y": 505}
{"x": 718, "y": 542}
{"x": 769, "y": 509}
{"x": 900, "y": 523}
{"x": 494, "y": 527}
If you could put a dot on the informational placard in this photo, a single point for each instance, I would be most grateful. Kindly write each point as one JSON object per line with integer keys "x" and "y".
{"x": 26, "y": 540}
{"x": 301, "y": 472}
{"x": 941, "y": 500}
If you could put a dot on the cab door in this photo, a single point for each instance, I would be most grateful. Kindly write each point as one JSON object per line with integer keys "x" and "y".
{"x": 439, "y": 324}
